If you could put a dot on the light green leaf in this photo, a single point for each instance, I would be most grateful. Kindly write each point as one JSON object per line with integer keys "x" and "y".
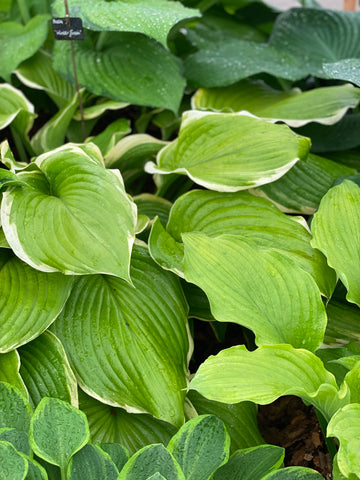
{"x": 154, "y": 19}
{"x": 15, "y": 410}
{"x": 150, "y": 460}
{"x": 301, "y": 189}
{"x": 230, "y": 151}
{"x": 19, "y": 42}
{"x": 46, "y": 370}
{"x": 101, "y": 106}
{"x": 294, "y": 473}
{"x": 9, "y": 371}
{"x": 130, "y": 68}
{"x": 37, "y": 72}
{"x": 76, "y": 230}
{"x": 15, "y": 108}
{"x": 153, "y": 206}
{"x": 264, "y": 298}
{"x": 251, "y": 463}
{"x": 240, "y": 419}
{"x": 92, "y": 463}
{"x": 115, "y": 425}
{"x": 9, "y": 179}
{"x": 165, "y": 250}
{"x": 64, "y": 424}
{"x": 30, "y": 301}
{"x": 8, "y": 159}
{"x": 156, "y": 476}
{"x": 339, "y": 214}
{"x": 12, "y": 464}
{"x": 345, "y": 426}
{"x": 129, "y": 346}
{"x": 200, "y": 447}
{"x": 263, "y": 375}
{"x": 252, "y": 218}
{"x": 347, "y": 69}
{"x": 118, "y": 454}
{"x": 325, "y": 105}
{"x": 113, "y": 133}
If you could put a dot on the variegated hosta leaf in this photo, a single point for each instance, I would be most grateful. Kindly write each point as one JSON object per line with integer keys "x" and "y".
{"x": 258, "y": 288}
{"x": 12, "y": 463}
{"x": 111, "y": 135}
{"x": 73, "y": 217}
{"x": 230, "y": 151}
{"x": 345, "y": 426}
{"x": 9, "y": 371}
{"x": 343, "y": 323}
{"x": 15, "y": 108}
{"x": 294, "y": 473}
{"x": 335, "y": 229}
{"x": 30, "y": 300}
{"x": 154, "y": 18}
{"x": 326, "y": 105}
{"x": 347, "y": 69}
{"x": 130, "y": 68}
{"x": 115, "y": 425}
{"x": 129, "y": 346}
{"x": 19, "y": 42}
{"x": 46, "y": 370}
{"x": 93, "y": 463}
{"x": 301, "y": 189}
{"x": 263, "y": 375}
{"x": 15, "y": 409}
{"x": 153, "y": 206}
{"x": 253, "y": 218}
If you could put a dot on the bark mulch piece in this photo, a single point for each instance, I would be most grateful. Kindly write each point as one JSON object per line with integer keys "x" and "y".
{"x": 290, "y": 424}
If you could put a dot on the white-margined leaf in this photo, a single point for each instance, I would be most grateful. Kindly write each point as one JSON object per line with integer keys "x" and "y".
{"x": 129, "y": 346}
{"x": 230, "y": 151}
{"x": 9, "y": 371}
{"x": 272, "y": 296}
{"x": 15, "y": 108}
{"x": 73, "y": 217}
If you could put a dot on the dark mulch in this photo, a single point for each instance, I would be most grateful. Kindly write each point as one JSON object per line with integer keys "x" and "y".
{"x": 289, "y": 423}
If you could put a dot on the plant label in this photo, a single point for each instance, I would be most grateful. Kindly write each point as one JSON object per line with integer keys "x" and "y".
{"x": 67, "y": 28}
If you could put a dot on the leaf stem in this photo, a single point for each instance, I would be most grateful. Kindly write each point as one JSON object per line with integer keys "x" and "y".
{"x": 101, "y": 40}
{"x": 63, "y": 473}
{"x": 24, "y": 11}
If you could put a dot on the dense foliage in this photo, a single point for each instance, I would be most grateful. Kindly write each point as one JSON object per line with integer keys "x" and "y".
{"x": 216, "y": 178}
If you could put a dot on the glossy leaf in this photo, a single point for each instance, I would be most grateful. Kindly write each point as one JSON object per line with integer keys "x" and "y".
{"x": 92, "y": 463}
{"x": 20, "y": 42}
{"x": 130, "y": 68}
{"x": 129, "y": 346}
{"x": 149, "y": 461}
{"x": 343, "y": 323}
{"x": 200, "y": 447}
{"x": 262, "y": 376}
{"x": 64, "y": 424}
{"x": 12, "y": 464}
{"x": 264, "y": 298}
{"x": 115, "y": 425}
{"x": 251, "y": 463}
{"x": 339, "y": 214}
{"x": 325, "y": 105}
{"x": 79, "y": 232}
{"x": 154, "y": 19}
{"x": 15, "y": 108}
{"x": 46, "y": 370}
{"x": 30, "y": 301}
{"x": 230, "y": 152}
{"x": 9, "y": 371}
{"x": 347, "y": 69}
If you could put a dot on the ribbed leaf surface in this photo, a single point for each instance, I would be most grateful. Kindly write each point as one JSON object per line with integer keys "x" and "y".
{"x": 9, "y": 371}
{"x": 347, "y": 69}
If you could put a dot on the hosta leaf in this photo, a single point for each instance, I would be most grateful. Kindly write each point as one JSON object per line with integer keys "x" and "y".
{"x": 15, "y": 108}
{"x": 261, "y": 376}
{"x": 326, "y": 105}
{"x": 150, "y": 460}
{"x": 131, "y": 68}
{"x": 339, "y": 214}
{"x": 337, "y": 475}
{"x": 251, "y": 463}
{"x": 128, "y": 346}
{"x": 293, "y": 33}
{"x": 301, "y": 189}
{"x": 264, "y": 298}
{"x": 118, "y": 454}
{"x": 154, "y": 19}
{"x": 113, "y": 133}
{"x": 15, "y": 410}
{"x": 347, "y": 69}
{"x": 37, "y": 72}
{"x": 153, "y": 206}
{"x": 294, "y": 473}
{"x": 12, "y": 464}
{"x": 200, "y": 447}
{"x": 115, "y": 425}
{"x": 18, "y": 439}
{"x": 35, "y": 470}
{"x": 64, "y": 424}
{"x": 20, "y": 42}
{"x": 343, "y": 323}
{"x": 46, "y": 371}
{"x": 9, "y": 371}
{"x": 230, "y": 152}
{"x": 240, "y": 419}
{"x": 253, "y": 218}
{"x": 30, "y": 301}
{"x": 345, "y": 426}
{"x": 80, "y": 234}
{"x": 93, "y": 463}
